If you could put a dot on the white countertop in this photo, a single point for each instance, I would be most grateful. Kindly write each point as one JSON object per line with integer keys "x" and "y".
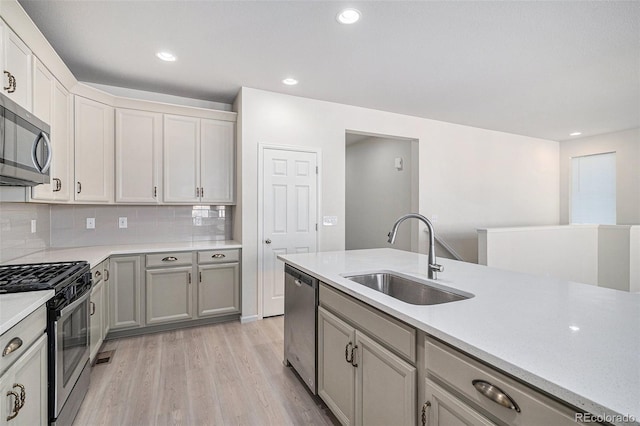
{"x": 96, "y": 254}
{"x": 14, "y": 307}
{"x": 577, "y": 342}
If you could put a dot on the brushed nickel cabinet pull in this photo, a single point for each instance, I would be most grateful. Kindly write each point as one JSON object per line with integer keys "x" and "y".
{"x": 495, "y": 394}
{"x": 425, "y": 408}
{"x": 12, "y": 346}
{"x": 106, "y": 275}
{"x": 346, "y": 353}
{"x": 93, "y": 308}
{"x": 12, "y": 83}
{"x": 353, "y": 356}
{"x": 58, "y": 186}
{"x": 98, "y": 274}
{"x": 79, "y": 187}
{"x": 189, "y": 280}
{"x": 200, "y": 276}
{"x": 202, "y": 191}
{"x": 218, "y": 256}
{"x": 16, "y": 405}
{"x": 155, "y": 191}
{"x": 169, "y": 259}
{"x": 8, "y": 74}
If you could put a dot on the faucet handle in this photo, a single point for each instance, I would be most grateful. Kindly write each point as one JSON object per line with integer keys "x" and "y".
{"x": 435, "y": 267}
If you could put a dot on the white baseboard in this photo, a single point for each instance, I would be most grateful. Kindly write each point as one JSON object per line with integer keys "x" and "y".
{"x": 251, "y": 318}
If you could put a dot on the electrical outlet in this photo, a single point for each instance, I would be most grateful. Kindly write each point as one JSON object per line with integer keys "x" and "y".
{"x": 91, "y": 223}
{"x": 33, "y": 226}
{"x": 122, "y": 222}
{"x": 329, "y": 220}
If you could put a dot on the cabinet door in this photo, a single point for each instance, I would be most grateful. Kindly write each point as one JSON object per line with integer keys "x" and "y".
{"x": 336, "y": 376}
{"x": 16, "y": 58}
{"x": 42, "y": 91}
{"x": 181, "y": 165}
{"x": 30, "y": 373}
{"x": 94, "y": 151}
{"x": 218, "y": 289}
{"x": 96, "y": 320}
{"x": 385, "y": 386}
{"x": 169, "y": 295}
{"x": 125, "y": 304}
{"x": 61, "y": 141}
{"x": 444, "y": 409}
{"x": 106, "y": 317}
{"x": 138, "y": 156}
{"x": 217, "y": 161}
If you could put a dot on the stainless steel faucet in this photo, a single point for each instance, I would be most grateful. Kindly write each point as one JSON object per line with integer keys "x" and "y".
{"x": 432, "y": 268}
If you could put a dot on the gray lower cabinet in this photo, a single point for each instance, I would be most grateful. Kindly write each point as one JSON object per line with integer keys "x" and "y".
{"x": 218, "y": 289}
{"x": 125, "y": 292}
{"x": 443, "y": 408}
{"x": 23, "y": 380}
{"x": 96, "y": 320}
{"x": 362, "y": 382}
{"x": 169, "y": 295}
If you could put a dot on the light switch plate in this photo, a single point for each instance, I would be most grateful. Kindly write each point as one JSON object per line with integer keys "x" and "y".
{"x": 91, "y": 223}
{"x": 33, "y": 226}
{"x": 330, "y": 220}
{"x": 122, "y": 222}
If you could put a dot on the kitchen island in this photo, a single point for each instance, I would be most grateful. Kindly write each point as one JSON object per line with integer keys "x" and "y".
{"x": 577, "y": 343}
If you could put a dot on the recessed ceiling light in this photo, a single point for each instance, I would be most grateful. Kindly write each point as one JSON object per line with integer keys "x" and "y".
{"x": 575, "y": 134}
{"x": 290, "y": 81}
{"x": 166, "y": 56}
{"x": 348, "y": 16}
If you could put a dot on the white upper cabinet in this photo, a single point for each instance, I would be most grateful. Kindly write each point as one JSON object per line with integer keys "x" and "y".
{"x": 181, "y": 159}
{"x": 52, "y": 103}
{"x": 138, "y": 156}
{"x": 16, "y": 65}
{"x": 94, "y": 151}
{"x": 199, "y": 160}
{"x": 217, "y": 151}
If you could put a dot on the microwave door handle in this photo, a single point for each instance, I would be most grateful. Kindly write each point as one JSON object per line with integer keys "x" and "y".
{"x": 47, "y": 144}
{"x": 34, "y": 152}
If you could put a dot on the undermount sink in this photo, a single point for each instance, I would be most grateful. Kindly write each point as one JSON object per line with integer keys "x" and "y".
{"x": 408, "y": 289}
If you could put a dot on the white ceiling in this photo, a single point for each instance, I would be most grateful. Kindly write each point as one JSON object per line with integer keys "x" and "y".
{"x": 542, "y": 69}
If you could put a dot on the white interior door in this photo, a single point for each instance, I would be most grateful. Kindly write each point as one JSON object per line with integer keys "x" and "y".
{"x": 289, "y": 222}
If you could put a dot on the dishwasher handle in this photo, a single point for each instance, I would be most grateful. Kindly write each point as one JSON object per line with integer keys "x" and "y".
{"x": 300, "y": 278}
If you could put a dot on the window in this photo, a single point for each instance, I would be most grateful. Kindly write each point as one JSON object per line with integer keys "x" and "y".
{"x": 593, "y": 189}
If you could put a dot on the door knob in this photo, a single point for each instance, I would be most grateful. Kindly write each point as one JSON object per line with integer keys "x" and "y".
{"x": 267, "y": 241}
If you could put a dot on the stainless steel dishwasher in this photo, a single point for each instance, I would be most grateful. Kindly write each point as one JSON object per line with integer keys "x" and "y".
{"x": 300, "y": 307}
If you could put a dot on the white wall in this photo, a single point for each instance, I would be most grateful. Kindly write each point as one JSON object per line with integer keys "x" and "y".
{"x": 377, "y": 193}
{"x": 565, "y": 252}
{"x": 469, "y": 177}
{"x": 626, "y": 145}
{"x": 603, "y": 255}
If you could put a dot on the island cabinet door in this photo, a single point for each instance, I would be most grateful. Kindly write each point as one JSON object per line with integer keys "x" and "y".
{"x": 442, "y": 408}
{"x": 385, "y": 385}
{"x": 336, "y": 374}
{"x": 169, "y": 295}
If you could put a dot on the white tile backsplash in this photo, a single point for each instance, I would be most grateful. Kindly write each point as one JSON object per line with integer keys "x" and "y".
{"x": 146, "y": 224}
{"x": 16, "y": 238}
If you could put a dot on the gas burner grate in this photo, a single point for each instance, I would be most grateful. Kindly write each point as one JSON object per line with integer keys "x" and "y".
{"x": 38, "y": 276}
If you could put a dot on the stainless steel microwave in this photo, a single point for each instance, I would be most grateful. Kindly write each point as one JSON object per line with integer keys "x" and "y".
{"x": 25, "y": 149}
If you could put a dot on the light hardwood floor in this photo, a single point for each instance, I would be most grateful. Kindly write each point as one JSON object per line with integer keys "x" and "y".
{"x": 223, "y": 374}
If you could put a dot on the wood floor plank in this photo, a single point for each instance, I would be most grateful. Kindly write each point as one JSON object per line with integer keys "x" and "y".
{"x": 222, "y": 374}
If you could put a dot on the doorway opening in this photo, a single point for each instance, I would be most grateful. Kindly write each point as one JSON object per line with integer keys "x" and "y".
{"x": 381, "y": 185}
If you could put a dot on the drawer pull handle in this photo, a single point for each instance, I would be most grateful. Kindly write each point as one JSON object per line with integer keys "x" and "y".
{"x": 13, "y": 345}
{"x": 218, "y": 256}
{"x": 169, "y": 259}
{"x": 495, "y": 394}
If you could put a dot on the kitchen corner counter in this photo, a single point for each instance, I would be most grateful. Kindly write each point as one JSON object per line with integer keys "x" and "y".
{"x": 14, "y": 307}
{"x": 96, "y": 254}
{"x": 576, "y": 342}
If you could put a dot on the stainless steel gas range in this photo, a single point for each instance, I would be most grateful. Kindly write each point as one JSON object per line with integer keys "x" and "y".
{"x": 67, "y": 328}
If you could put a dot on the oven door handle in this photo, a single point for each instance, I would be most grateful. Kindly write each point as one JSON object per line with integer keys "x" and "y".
{"x": 75, "y": 304}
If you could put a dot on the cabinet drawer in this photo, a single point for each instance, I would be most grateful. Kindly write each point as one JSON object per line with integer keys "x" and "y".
{"x": 164, "y": 260}
{"x": 398, "y": 336}
{"x": 218, "y": 256}
{"x": 457, "y": 372}
{"x": 25, "y": 332}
